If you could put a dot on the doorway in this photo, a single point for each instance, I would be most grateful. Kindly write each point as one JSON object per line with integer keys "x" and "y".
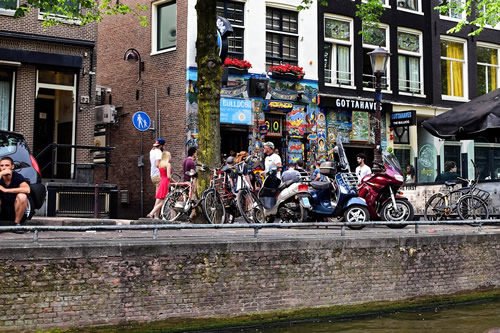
{"x": 352, "y": 151}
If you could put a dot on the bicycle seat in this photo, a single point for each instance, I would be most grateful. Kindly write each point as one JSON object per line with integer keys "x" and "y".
{"x": 191, "y": 173}
{"x": 450, "y": 183}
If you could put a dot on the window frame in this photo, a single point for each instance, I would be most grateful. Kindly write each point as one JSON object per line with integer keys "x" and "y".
{"x": 465, "y": 75}
{"x": 419, "y": 54}
{"x": 59, "y": 17}
{"x": 236, "y": 26}
{"x": 372, "y": 47}
{"x": 334, "y": 42}
{"x": 270, "y": 60}
{"x": 12, "y": 88}
{"x": 154, "y": 26}
{"x": 450, "y": 18}
{"x": 418, "y": 11}
{"x": 490, "y": 46}
{"x": 9, "y": 12}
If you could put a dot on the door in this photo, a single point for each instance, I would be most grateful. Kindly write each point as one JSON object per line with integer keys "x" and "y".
{"x": 44, "y": 133}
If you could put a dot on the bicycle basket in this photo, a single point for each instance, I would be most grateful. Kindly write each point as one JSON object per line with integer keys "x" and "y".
{"x": 484, "y": 195}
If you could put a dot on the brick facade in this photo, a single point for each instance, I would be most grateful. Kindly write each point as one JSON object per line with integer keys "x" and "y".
{"x": 118, "y": 284}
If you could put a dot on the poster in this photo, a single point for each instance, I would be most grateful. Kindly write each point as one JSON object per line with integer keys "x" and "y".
{"x": 360, "y": 126}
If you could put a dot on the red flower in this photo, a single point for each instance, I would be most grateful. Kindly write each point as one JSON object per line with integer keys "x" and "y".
{"x": 243, "y": 64}
{"x": 299, "y": 71}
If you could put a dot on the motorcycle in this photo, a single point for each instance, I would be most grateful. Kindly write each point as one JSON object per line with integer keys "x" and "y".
{"x": 287, "y": 200}
{"x": 338, "y": 197}
{"x": 381, "y": 192}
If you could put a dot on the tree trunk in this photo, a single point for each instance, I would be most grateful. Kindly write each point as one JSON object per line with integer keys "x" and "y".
{"x": 209, "y": 76}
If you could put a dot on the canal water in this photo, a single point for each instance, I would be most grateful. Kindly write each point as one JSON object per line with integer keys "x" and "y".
{"x": 466, "y": 318}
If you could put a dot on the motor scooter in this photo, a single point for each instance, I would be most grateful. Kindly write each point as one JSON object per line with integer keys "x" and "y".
{"x": 381, "y": 192}
{"x": 288, "y": 201}
{"x": 338, "y": 196}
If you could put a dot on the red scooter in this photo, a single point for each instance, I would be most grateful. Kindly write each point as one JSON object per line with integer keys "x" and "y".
{"x": 381, "y": 192}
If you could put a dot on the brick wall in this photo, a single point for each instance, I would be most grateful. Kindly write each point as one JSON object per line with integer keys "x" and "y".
{"x": 75, "y": 286}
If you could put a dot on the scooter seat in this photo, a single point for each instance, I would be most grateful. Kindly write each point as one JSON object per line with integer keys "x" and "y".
{"x": 286, "y": 184}
{"x": 318, "y": 185}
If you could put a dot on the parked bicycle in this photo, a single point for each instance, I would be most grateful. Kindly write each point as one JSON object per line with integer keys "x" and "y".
{"x": 468, "y": 202}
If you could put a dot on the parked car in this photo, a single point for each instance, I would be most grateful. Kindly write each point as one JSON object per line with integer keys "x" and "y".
{"x": 14, "y": 145}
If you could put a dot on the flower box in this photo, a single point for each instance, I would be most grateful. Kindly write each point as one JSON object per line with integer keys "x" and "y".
{"x": 236, "y": 70}
{"x": 287, "y": 72}
{"x": 285, "y": 76}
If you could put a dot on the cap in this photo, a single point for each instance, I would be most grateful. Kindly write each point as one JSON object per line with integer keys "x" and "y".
{"x": 230, "y": 160}
{"x": 159, "y": 142}
{"x": 269, "y": 144}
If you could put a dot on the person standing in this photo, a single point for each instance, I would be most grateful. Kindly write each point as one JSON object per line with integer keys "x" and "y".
{"x": 362, "y": 169}
{"x": 165, "y": 173}
{"x": 190, "y": 162}
{"x": 316, "y": 175}
{"x": 271, "y": 158}
{"x": 300, "y": 169}
{"x": 14, "y": 192}
{"x": 410, "y": 174}
{"x": 154, "y": 159}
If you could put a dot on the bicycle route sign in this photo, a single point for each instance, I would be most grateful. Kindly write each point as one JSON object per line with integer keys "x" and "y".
{"x": 141, "y": 121}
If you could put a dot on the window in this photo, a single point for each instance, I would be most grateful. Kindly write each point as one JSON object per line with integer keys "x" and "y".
{"x": 7, "y": 6}
{"x": 413, "y": 5}
{"x": 338, "y": 51}
{"x": 487, "y": 68}
{"x": 481, "y": 11}
{"x": 5, "y": 98}
{"x": 454, "y": 12}
{"x": 453, "y": 71}
{"x": 71, "y": 6}
{"x": 383, "y": 2}
{"x": 487, "y": 159}
{"x": 452, "y": 153}
{"x": 410, "y": 62}
{"x": 281, "y": 37}
{"x": 372, "y": 39}
{"x": 234, "y": 12}
{"x": 164, "y": 26}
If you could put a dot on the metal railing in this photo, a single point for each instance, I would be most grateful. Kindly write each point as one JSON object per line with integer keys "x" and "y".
{"x": 256, "y": 227}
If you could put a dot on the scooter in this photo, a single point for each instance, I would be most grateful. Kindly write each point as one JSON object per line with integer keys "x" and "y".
{"x": 338, "y": 197}
{"x": 288, "y": 201}
{"x": 381, "y": 192}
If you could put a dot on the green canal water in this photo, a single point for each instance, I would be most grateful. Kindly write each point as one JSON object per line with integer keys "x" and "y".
{"x": 466, "y": 318}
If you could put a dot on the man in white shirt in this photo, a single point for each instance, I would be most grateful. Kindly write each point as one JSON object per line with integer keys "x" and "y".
{"x": 362, "y": 169}
{"x": 271, "y": 158}
{"x": 155, "y": 158}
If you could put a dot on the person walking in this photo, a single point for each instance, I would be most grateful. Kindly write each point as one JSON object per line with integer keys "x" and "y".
{"x": 271, "y": 158}
{"x": 165, "y": 171}
{"x": 362, "y": 169}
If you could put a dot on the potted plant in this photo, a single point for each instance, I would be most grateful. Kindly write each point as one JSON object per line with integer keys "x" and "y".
{"x": 287, "y": 72}
{"x": 237, "y": 66}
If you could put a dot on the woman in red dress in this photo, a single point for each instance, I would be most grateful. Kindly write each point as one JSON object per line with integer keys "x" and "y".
{"x": 165, "y": 174}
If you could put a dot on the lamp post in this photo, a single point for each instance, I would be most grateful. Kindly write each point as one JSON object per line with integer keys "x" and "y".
{"x": 378, "y": 59}
{"x": 133, "y": 56}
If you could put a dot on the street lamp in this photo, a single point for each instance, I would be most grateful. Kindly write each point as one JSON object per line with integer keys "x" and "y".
{"x": 378, "y": 59}
{"x": 133, "y": 56}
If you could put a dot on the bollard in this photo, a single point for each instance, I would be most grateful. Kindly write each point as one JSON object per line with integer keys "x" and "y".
{"x": 97, "y": 208}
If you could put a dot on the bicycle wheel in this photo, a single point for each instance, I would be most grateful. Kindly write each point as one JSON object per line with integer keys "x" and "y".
{"x": 435, "y": 208}
{"x": 213, "y": 207}
{"x": 169, "y": 211}
{"x": 250, "y": 206}
{"x": 471, "y": 207}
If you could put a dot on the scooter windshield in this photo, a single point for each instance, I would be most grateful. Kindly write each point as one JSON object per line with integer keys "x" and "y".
{"x": 391, "y": 162}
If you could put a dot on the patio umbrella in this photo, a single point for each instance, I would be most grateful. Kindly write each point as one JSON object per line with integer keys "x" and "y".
{"x": 478, "y": 117}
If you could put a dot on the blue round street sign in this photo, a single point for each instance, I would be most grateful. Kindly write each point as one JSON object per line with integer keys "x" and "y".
{"x": 141, "y": 121}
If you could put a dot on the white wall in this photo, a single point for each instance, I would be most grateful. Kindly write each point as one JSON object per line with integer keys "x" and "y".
{"x": 255, "y": 35}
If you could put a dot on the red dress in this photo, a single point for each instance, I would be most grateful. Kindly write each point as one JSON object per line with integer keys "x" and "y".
{"x": 164, "y": 182}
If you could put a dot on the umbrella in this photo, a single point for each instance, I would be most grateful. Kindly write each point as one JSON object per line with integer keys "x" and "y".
{"x": 478, "y": 117}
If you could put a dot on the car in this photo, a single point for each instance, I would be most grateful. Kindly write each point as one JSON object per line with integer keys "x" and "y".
{"x": 14, "y": 145}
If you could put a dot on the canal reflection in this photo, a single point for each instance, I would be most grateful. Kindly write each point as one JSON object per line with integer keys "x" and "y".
{"x": 469, "y": 318}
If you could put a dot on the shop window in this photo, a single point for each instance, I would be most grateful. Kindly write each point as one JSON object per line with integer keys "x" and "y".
{"x": 413, "y": 5}
{"x": 401, "y": 135}
{"x": 5, "y": 98}
{"x": 403, "y": 156}
{"x": 410, "y": 64}
{"x": 453, "y": 69}
{"x": 164, "y": 26}
{"x": 373, "y": 38}
{"x": 488, "y": 69}
{"x": 487, "y": 159}
{"x": 338, "y": 51}
{"x": 452, "y": 153}
{"x": 454, "y": 12}
{"x": 234, "y": 12}
{"x": 281, "y": 37}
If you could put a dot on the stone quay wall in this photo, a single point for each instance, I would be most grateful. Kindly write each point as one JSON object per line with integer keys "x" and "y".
{"x": 63, "y": 286}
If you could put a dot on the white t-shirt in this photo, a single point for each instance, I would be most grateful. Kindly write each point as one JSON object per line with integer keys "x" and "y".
{"x": 154, "y": 155}
{"x": 272, "y": 159}
{"x": 363, "y": 171}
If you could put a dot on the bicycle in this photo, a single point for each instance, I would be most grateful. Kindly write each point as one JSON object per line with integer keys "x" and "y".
{"x": 215, "y": 198}
{"x": 470, "y": 201}
{"x": 249, "y": 205}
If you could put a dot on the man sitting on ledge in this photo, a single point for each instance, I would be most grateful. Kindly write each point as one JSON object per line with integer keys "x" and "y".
{"x": 14, "y": 192}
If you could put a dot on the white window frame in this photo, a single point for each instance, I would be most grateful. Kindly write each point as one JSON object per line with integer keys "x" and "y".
{"x": 497, "y": 27}
{"x": 385, "y": 3}
{"x": 419, "y": 11}
{"x": 491, "y": 46}
{"x": 334, "y": 42}
{"x": 154, "y": 28}
{"x": 414, "y": 54}
{"x": 449, "y": 18}
{"x": 58, "y": 17}
{"x": 387, "y": 75}
{"x": 9, "y": 12}
{"x": 465, "y": 78}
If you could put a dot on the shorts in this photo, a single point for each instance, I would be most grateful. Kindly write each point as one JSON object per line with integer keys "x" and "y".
{"x": 156, "y": 182}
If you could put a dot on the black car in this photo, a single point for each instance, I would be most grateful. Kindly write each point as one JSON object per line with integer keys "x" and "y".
{"x": 12, "y": 144}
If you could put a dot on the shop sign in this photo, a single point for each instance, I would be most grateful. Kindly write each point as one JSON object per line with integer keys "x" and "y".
{"x": 263, "y": 129}
{"x": 405, "y": 118}
{"x": 355, "y": 104}
{"x": 277, "y": 106}
{"x": 273, "y": 125}
{"x": 287, "y": 95}
{"x": 236, "y": 111}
